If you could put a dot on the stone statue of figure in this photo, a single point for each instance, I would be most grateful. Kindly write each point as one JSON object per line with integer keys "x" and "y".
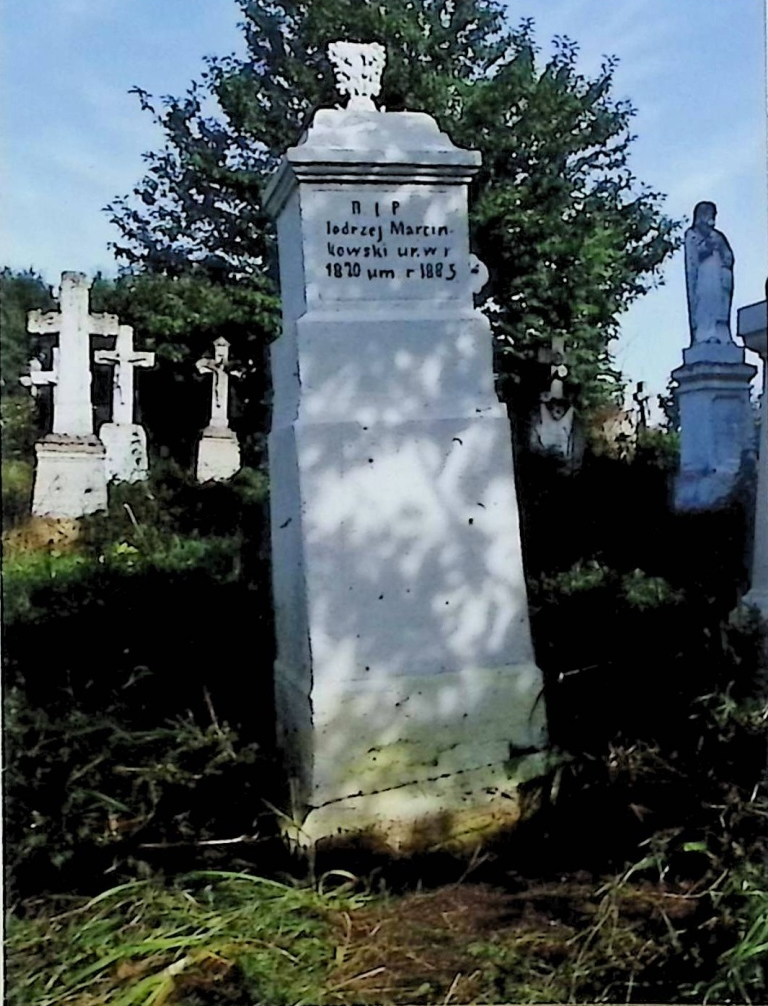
{"x": 708, "y": 278}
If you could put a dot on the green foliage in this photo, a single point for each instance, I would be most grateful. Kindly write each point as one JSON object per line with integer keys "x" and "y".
{"x": 18, "y": 426}
{"x": 79, "y": 784}
{"x": 742, "y": 974}
{"x": 211, "y": 934}
{"x": 17, "y": 479}
{"x": 20, "y": 292}
{"x": 570, "y": 236}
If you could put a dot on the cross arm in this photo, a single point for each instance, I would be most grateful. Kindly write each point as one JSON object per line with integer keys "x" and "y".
{"x": 42, "y": 323}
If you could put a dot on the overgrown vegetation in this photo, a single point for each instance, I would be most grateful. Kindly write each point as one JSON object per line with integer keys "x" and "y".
{"x": 210, "y": 937}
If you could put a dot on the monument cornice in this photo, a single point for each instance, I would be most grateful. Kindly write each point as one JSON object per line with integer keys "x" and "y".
{"x": 429, "y": 170}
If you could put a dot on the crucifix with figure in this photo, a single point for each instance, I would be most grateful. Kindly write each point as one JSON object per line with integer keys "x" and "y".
{"x": 124, "y": 358}
{"x": 220, "y": 369}
{"x": 219, "y": 452}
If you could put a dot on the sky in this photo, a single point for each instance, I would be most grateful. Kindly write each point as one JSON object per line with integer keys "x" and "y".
{"x": 72, "y": 137}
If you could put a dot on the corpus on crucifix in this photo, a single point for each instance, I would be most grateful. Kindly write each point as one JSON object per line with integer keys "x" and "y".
{"x": 124, "y": 358}
{"x": 219, "y": 452}
{"x": 219, "y": 368}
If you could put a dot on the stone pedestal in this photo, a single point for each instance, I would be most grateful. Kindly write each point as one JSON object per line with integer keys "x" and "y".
{"x": 127, "y": 459}
{"x": 409, "y": 705}
{"x": 70, "y": 478}
{"x": 715, "y": 424}
{"x": 218, "y": 456}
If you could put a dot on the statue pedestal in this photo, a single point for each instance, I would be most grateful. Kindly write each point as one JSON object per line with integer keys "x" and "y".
{"x": 70, "y": 480}
{"x": 218, "y": 457}
{"x": 126, "y": 446}
{"x": 716, "y": 427}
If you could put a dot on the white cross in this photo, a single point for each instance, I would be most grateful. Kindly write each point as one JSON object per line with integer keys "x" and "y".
{"x": 74, "y": 324}
{"x": 219, "y": 367}
{"x": 39, "y": 378}
{"x": 124, "y": 358}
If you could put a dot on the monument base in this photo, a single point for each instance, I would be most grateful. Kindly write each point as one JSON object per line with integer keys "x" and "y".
{"x": 70, "y": 477}
{"x": 414, "y": 763}
{"x": 218, "y": 457}
{"x": 127, "y": 459}
{"x": 716, "y": 425}
{"x": 757, "y": 599}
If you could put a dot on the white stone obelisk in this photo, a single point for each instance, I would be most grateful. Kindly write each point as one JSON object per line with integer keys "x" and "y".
{"x": 408, "y": 700}
{"x": 125, "y": 441}
{"x": 218, "y": 455}
{"x": 70, "y": 477}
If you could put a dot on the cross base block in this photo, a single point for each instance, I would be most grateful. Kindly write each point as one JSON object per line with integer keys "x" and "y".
{"x": 70, "y": 478}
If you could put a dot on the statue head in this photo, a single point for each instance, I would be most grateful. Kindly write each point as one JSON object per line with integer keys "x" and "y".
{"x": 704, "y": 215}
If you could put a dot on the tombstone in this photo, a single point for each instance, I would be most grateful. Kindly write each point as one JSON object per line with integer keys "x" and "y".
{"x": 70, "y": 478}
{"x": 218, "y": 456}
{"x": 124, "y": 440}
{"x": 753, "y": 328}
{"x": 713, "y": 384}
{"x": 408, "y": 700}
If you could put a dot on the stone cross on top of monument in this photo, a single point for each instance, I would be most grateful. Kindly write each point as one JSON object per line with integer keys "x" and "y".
{"x": 124, "y": 358}
{"x": 71, "y": 375}
{"x": 358, "y": 67}
{"x": 219, "y": 367}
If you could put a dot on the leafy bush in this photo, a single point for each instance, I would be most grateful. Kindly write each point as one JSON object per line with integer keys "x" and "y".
{"x": 88, "y": 793}
{"x": 19, "y": 427}
{"x": 17, "y": 479}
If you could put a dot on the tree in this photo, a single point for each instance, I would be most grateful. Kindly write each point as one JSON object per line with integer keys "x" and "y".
{"x": 570, "y": 236}
{"x": 20, "y": 418}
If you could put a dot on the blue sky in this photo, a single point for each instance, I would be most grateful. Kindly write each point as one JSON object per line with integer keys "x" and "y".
{"x": 73, "y": 137}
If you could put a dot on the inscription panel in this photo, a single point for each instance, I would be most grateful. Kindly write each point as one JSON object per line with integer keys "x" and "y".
{"x": 386, "y": 244}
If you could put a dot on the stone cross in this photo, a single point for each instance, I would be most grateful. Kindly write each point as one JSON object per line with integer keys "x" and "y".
{"x": 74, "y": 324}
{"x": 641, "y": 398}
{"x": 39, "y": 378}
{"x": 219, "y": 367}
{"x": 358, "y": 68}
{"x": 124, "y": 358}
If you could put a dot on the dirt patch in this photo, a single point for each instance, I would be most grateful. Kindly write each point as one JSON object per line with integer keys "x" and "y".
{"x": 475, "y": 943}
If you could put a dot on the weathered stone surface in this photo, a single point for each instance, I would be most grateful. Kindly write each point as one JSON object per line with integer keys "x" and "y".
{"x": 70, "y": 476}
{"x": 127, "y": 458}
{"x": 405, "y": 677}
{"x": 218, "y": 455}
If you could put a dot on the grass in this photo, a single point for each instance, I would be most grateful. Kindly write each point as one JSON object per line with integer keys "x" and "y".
{"x": 212, "y": 936}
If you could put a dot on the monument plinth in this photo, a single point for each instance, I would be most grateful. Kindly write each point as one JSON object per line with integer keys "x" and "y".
{"x": 70, "y": 474}
{"x": 713, "y": 383}
{"x": 409, "y": 704}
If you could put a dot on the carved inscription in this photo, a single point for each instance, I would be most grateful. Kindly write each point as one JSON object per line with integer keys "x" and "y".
{"x": 397, "y": 242}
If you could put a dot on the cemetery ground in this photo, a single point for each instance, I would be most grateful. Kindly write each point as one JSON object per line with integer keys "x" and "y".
{"x": 142, "y": 851}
